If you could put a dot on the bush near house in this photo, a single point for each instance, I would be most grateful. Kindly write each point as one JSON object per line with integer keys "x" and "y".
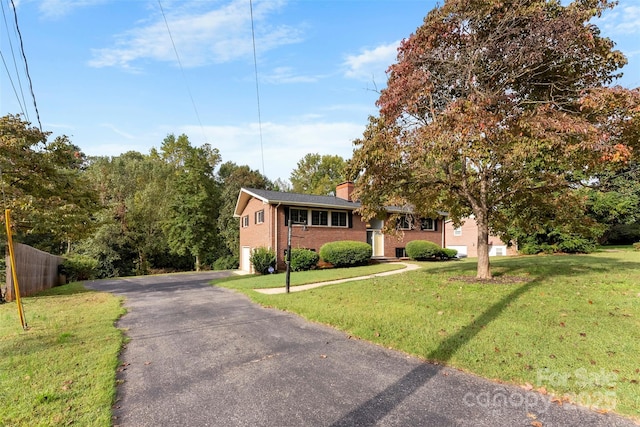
{"x": 449, "y": 253}
{"x": 422, "y": 250}
{"x": 303, "y": 259}
{"x": 263, "y": 258}
{"x": 346, "y": 253}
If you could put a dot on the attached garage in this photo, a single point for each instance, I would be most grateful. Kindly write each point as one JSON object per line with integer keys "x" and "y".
{"x": 462, "y": 250}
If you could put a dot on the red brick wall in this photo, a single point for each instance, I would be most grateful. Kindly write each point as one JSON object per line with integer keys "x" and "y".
{"x": 469, "y": 238}
{"x": 256, "y": 235}
{"x": 400, "y": 240}
{"x": 313, "y": 237}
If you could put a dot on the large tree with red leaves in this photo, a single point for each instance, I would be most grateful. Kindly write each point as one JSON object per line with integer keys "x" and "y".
{"x": 496, "y": 109}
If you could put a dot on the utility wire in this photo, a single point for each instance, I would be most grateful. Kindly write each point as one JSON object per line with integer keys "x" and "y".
{"x": 26, "y": 65}
{"x": 14, "y": 86}
{"x": 22, "y": 103}
{"x": 255, "y": 65}
{"x": 184, "y": 77}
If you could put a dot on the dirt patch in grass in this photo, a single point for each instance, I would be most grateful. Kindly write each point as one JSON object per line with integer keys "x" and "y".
{"x": 496, "y": 280}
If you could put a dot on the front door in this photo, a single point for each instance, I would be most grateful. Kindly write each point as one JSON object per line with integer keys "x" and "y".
{"x": 376, "y": 239}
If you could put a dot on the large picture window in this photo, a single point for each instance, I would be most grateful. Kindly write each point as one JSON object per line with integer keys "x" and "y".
{"x": 298, "y": 216}
{"x": 405, "y": 222}
{"x": 319, "y": 218}
{"x": 428, "y": 224}
{"x": 338, "y": 219}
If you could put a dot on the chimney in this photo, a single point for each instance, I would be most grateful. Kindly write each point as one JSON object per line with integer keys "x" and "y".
{"x": 344, "y": 190}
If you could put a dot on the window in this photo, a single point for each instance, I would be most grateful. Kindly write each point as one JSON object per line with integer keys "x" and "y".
{"x": 405, "y": 223}
{"x": 457, "y": 231}
{"x": 298, "y": 216}
{"x": 428, "y": 224}
{"x": 401, "y": 253}
{"x": 338, "y": 219}
{"x": 245, "y": 221}
{"x": 260, "y": 217}
{"x": 319, "y": 218}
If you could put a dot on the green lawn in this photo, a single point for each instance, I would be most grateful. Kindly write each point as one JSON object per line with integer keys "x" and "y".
{"x": 302, "y": 277}
{"x": 61, "y": 371}
{"x": 569, "y": 324}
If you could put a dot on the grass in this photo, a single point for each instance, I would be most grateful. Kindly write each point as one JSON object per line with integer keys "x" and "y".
{"x": 570, "y": 326}
{"x": 301, "y": 277}
{"x": 61, "y": 371}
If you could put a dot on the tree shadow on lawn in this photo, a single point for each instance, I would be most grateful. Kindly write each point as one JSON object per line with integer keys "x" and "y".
{"x": 540, "y": 266}
{"x": 384, "y": 402}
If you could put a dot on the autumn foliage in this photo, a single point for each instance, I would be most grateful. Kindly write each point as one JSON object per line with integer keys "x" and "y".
{"x": 494, "y": 105}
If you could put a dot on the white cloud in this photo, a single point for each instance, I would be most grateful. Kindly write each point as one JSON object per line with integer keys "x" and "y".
{"x": 200, "y": 36}
{"x": 371, "y": 63}
{"x": 54, "y": 9}
{"x": 284, "y": 143}
{"x": 118, "y": 131}
{"x": 283, "y": 75}
{"x": 622, "y": 20}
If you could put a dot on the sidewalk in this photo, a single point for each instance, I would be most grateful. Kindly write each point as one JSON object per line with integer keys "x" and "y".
{"x": 273, "y": 291}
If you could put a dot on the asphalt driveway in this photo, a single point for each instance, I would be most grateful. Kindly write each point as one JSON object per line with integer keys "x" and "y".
{"x": 205, "y": 356}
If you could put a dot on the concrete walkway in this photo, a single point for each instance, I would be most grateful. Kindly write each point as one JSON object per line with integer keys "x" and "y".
{"x": 273, "y": 291}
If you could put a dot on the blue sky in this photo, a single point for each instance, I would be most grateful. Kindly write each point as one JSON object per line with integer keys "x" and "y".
{"x": 105, "y": 72}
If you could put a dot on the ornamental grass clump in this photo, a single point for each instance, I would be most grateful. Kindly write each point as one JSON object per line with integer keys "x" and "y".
{"x": 346, "y": 253}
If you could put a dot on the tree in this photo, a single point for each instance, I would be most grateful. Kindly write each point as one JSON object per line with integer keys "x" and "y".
{"x": 191, "y": 221}
{"x": 134, "y": 191}
{"x": 316, "y": 174}
{"x": 43, "y": 183}
{"x": 231, "y": 178}
{"x": 494, "y": 109}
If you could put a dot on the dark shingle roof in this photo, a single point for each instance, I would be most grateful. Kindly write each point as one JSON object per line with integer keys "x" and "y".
{"x": 291, "y": 199}
{"x": 302, "y": 199}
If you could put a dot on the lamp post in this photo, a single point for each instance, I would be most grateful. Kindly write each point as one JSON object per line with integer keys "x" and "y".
{"x": 288, "y": 260}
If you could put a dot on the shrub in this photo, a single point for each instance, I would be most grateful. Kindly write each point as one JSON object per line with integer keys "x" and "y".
{"x": 346, "y": 253}
{"x": 229, "y": 262}
{"x": 263, "y": 258}
{"x": 79, "y": 267}
{"x": 421, "y": 250}
{"x": 636, "y": 246}
{"x": 303, "y": 259}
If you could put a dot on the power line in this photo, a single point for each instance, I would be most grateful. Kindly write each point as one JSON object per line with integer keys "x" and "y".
{"x": 184, "y": 77}
{"x": 26, "y": 65}
{"x": 255, "y": 65}
{"x": 22, "y": 103}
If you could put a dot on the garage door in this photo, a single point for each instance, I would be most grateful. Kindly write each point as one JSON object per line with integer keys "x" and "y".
{"x": 462, "y": 250}
{"x": 245, "y": 263}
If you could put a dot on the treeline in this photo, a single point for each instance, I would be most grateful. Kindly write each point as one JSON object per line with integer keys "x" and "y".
{"x": 171, "y": 209}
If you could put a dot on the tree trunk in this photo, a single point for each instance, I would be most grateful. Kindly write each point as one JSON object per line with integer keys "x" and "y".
{"x": 198, "y": 262}
{"x": 484, "y": 269}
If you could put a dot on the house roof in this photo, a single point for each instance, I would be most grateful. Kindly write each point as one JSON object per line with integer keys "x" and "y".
{"x": 291, "y": 199}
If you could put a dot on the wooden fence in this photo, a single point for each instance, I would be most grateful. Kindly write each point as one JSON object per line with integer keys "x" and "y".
{"x": 37, "y": 271}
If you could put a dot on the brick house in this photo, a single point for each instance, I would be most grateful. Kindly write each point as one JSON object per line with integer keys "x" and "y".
{"x": 465, "y": 240}
{"x": 316, "y": 220}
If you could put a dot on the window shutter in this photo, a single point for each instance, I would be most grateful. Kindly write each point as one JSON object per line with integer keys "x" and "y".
{"x": 286, "y": 216}
{"x": 435, "y": 225}
{"x": 350, "y": 219}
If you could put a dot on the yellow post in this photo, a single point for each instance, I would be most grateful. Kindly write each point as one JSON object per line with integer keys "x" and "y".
{"x": 14, "y": 273}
